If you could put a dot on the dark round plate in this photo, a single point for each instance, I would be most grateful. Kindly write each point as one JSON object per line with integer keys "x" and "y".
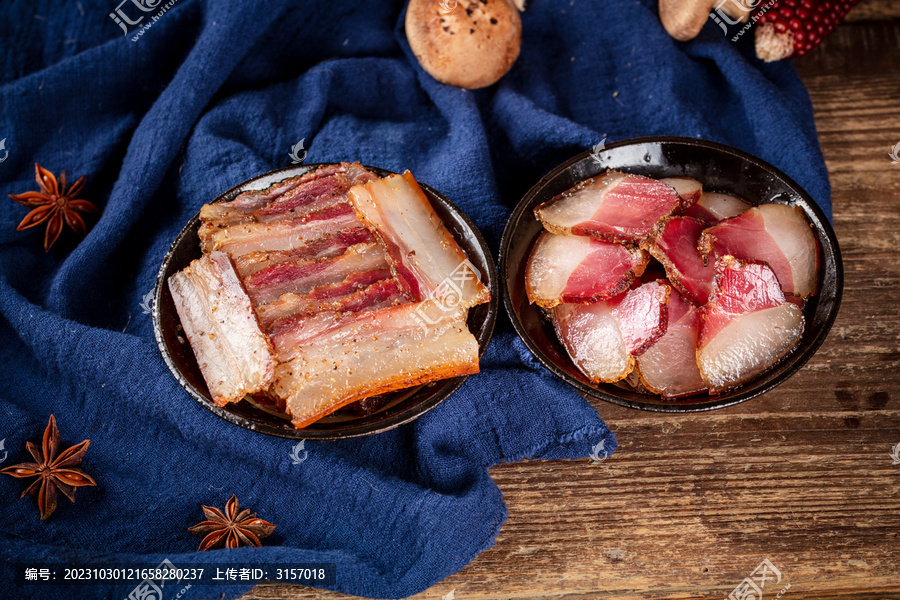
{"x": 402, "y": 406}
{"x": 720, "y": 169}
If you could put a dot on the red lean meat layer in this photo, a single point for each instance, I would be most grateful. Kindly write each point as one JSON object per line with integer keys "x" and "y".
{"x": 369, "y": 290}
{"x": 568, "y": 268}
{"x": 614, "y": 207}
{"x": 300, "y": 277}
{"x": 674, "y": 245}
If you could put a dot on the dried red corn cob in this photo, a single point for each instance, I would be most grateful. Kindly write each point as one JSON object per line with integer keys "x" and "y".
{"x": 794, "y": 27}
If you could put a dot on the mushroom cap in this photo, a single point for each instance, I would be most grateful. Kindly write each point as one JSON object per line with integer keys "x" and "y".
{"x": 466, "y": 43}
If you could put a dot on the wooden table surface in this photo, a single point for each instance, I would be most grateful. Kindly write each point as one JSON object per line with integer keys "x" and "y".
{"x": 690, "y": 505}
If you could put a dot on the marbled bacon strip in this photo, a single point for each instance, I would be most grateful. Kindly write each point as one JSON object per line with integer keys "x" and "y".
{"x": 345, "y": 358}
{"x": 423, "y": 254}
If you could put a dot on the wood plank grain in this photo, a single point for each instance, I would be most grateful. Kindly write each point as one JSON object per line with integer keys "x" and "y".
{"x": 690, "y": 505}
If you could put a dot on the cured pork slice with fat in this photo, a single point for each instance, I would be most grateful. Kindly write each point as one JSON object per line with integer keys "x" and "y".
{"x": 712, "y": 207}
{"x": 301, "y": 277}
{"x": 674, "y": 244}
{"x": 776, "y": 234}
{"x": 603, "y": 338}
{"x": 368, "y": 290}
{"x": 571, "y": 268}
{"x": 326, "y": 247}
{"x": 669, "y": 367}
{"x": 690, "y": 190}
{"x": 234, "y": 355}
{"x": 424, "y": 255}
{"x": 748, "y": 325}
{"x": 373, "y": 353}
{"x": 614, "y": 206}
{"x": 238, "y": 240}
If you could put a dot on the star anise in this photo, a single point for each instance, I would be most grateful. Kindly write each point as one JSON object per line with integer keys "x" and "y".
{"x": 55, "y": 470}
{"x": 54, "y": 205}
{"x": 232, "y": 529}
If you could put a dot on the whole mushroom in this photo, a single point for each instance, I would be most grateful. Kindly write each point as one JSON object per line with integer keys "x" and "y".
{"x": 466, "y": 43}
{"x": 684, "y": 19}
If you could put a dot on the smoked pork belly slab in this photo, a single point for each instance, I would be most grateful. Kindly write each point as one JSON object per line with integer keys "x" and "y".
{"x": 573, "y": 268}
{"x": 371, "y": 353}
{"x": 748, "y": 325}
{"x": 669, "y": 367}
{"x": 234, "y": 355}
{"x": 674, "y": 244}
{"x": 777, "y": 234}
{"x": 614, "y": 207}
{"x": 423, "y": 254}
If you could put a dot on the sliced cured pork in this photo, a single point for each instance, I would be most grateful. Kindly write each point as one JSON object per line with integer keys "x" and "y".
{"x": 687, "y": 188}
{"x": 234, "y": 355}
{"x": 644, "y": 315}
{"x": 372, "y": 353}
{"x": 603, "y": 338}
{"x": 748, "y": 325}
{"x": 614, "y": 206}
{"x": 776, "y": 234}
{"x": 674, "y": 243}
{"x": 669, "y": 367}
{"x": 424, "y": 255}
{"x": 591, "y": 335}
{"x": 571, "y": 268}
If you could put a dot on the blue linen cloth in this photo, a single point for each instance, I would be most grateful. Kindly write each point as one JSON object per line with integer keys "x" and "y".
{"x": 201, "y": 95}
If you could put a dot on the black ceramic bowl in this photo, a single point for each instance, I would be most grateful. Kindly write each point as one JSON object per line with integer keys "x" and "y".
{"x": 401, "y": 407}
{"x": 720, "y": 169}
